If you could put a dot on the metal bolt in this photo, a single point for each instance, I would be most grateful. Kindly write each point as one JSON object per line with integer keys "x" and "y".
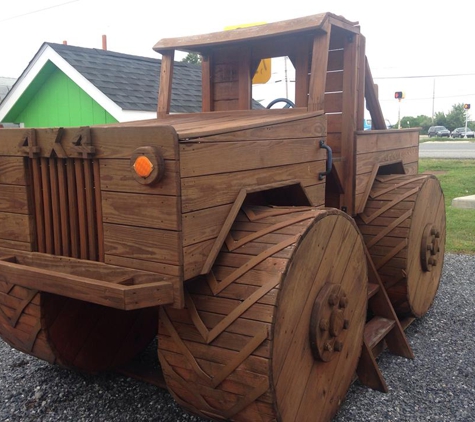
{"x": 338, "y": 346}
{"x": 328, "y": 347}
{"x": 346, "y": 324}
{"x": 332, "y": 300}
{"x": 324, "y": 324}
{"x": 343, "y": 302}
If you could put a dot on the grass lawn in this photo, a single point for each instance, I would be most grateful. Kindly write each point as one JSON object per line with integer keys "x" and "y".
{"x": 457, "y": 178}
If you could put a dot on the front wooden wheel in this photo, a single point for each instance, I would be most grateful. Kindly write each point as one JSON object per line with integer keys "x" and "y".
{"x": 403, "y": 225}
{"x": 275, "y": 331}
{"x": 71, "y": 332}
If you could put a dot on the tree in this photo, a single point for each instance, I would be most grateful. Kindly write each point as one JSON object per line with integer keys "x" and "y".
{"x": 193, "y": 58}
{"x": 456, "y": 117}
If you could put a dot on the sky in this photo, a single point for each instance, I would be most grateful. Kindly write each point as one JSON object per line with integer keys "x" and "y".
{"x": 416, "y": 47}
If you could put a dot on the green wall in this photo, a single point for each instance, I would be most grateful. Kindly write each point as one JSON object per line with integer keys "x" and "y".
{"x": 53, "y": 99}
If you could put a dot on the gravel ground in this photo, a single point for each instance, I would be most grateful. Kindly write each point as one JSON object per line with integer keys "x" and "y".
{"x": 438, "y": 385}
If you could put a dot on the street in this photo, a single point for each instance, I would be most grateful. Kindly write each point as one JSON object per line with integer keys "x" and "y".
{"x": 448, "y": 149}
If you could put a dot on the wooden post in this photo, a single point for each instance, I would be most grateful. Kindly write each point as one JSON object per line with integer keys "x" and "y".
{"x": 206, "y": 83}
{"x": 301, "y": 64}
{"x": 165, "y": 90}
{"x": 245, "y": 79}
{"x": 349, "y": 124}
{"x": 372, "y": 102}
{"x": 318, "y": 74}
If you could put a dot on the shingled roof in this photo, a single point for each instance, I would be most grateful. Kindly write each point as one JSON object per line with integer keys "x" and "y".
{"x": 132, "y": 81}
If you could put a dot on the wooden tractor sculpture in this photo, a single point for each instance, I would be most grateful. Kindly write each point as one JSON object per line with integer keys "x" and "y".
{"x": 276, "y": 252}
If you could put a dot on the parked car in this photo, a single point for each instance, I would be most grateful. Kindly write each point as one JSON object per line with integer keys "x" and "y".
{"x": 439, "y": 131}
{"x": 460, "y": 133}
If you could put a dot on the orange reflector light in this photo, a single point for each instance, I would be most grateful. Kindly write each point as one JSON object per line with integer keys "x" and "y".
{"x": 143, "y": 166}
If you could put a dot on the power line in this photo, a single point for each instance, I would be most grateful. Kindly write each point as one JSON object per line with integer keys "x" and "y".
{"x": 38, "y": 11}
{"x": 424, "y": 76}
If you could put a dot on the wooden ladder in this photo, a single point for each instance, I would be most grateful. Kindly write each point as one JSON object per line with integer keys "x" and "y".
{"x": 382, "y": 329}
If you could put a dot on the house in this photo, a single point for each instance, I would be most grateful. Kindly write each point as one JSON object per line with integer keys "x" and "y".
{"x": 5, "y": 86}
{"x": 74, "y": 86}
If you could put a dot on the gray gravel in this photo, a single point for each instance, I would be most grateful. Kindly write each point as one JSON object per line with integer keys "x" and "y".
{"x": 438, "y": 385}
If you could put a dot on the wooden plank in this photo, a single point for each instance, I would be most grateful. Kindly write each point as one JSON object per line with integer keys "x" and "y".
{"x": 73, "y": 208}
{"x": 155, "y": 211}
{"x": 90, "y": 209}
{"x": 116, "y": 175}
{"x": 81, "y": 208}
{"x": 204, "y": 224}
{"x": 121, "y": 142}
{"x": 372, "y": 101}
{"x": 87, "y": 289}
{"x": 12, "y": 171}
{"x": 318, "y": 70}
{"x": 142, "y": 243}
{"x": 333, "y": 102}
{"x": 335, "y": 60}
{"x": 376, "y": 330}
{"x": 150, "y": 266}
{"x": 301, "y": 127}
{"x": 365, "y": 162}
{"x": 55, "y": 210}
{"x": 245, "y": 77}
{"x": 63, "y": 208}
{"x": 166, "y": 78}
{"x": 301, "y": 64}
{"x": 14, "y": 199}
{"x": 45, "y": 183}
{"x": 15, "y": 227}
{"x": 98, "y": 215}
{"x": 12, "y": 244}
{"x": 373, "y": 141}
{"x": 194, "y": 257}
{"x": 212, "y": 158}
{"x": 334, "y": 81}
{"x": 206, "y": 82}
{"x": 349, "y": 124}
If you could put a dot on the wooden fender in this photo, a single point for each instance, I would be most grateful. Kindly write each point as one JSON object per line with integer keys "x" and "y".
{"x": 403, "y": 225}
{"x": 275, "y": 330}
{"x": 71, "y": 332}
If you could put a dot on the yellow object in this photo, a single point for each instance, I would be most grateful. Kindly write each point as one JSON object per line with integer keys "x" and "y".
{"x": 263, "y": 72}
{"x": 143, "y": 166}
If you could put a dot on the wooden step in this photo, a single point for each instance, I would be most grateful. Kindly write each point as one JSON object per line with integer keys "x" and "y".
{"x": 376, "y": 329}
{"x": 373, "y": 288}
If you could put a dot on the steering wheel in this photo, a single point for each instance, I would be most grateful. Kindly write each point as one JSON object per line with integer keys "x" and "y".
{"x": 287, "y": 102}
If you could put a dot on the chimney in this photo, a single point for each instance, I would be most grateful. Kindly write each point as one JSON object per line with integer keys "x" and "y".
{"x": 104, "y": 42}
{"x": 65, "y": 42}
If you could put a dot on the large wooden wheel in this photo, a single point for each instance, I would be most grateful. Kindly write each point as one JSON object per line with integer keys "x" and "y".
{"x": 70, "y": 332}
{"x": 403, "y": 225}
{"x": 274, "y": 332}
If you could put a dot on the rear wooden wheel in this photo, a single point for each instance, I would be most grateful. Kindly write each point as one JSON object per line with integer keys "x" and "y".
{"x": 70, "y": 332}
{"x": 274, "y": 332}
{"x": 403, "y": 225}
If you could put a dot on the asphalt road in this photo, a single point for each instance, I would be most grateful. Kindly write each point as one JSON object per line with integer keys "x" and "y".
{"x": 449, "y": 149}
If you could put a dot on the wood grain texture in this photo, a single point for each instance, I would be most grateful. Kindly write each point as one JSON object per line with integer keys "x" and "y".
{"x": 402, "y": 206}
{"x": 216, "y": 352}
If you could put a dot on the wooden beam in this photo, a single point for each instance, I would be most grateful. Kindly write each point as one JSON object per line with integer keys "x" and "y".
{"x": 166, "y": 77}
{"x": 372, "y": 101}
{"x": 245, "y": 79}
{"x": 206, "y": 83}
{"x": 154, "y": 292}
{"x": 318, "y": 74}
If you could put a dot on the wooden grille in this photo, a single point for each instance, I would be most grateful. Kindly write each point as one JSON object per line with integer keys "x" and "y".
{"x": 68, "y": 211}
